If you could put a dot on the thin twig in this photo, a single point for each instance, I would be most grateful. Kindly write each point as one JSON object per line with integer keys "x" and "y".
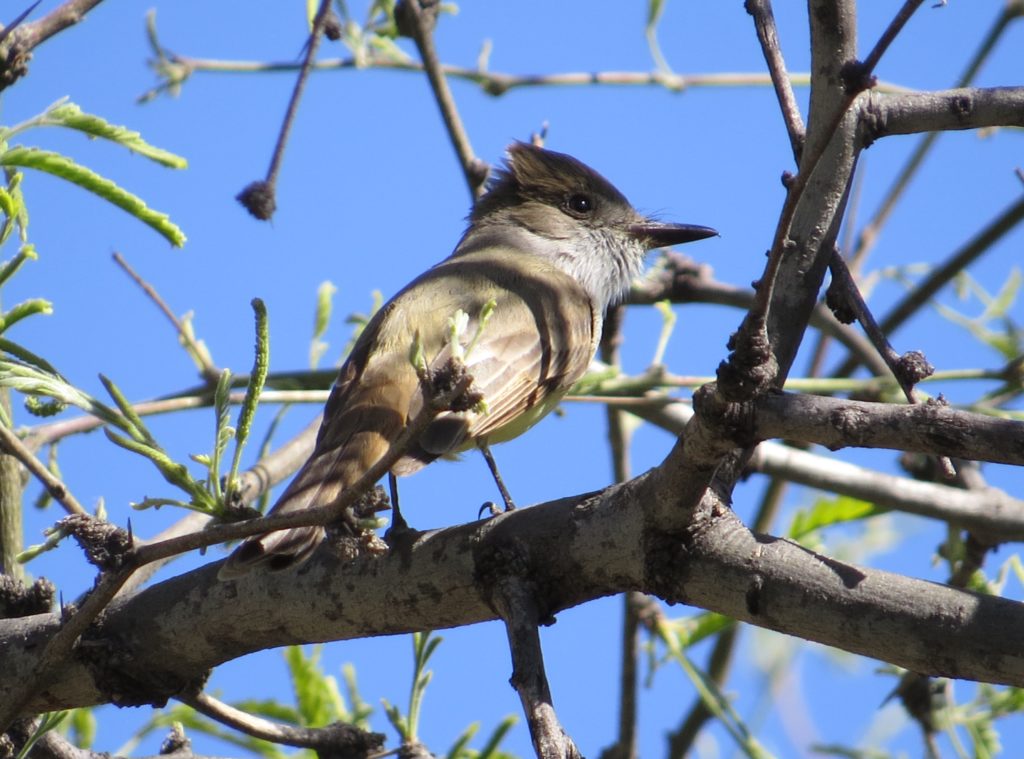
{"x": 7, "y": 30}
{"x": 680, "y": 280}
{"x": 259, "y": 197}
{"x": 25, "y": 37}
{"x": 767, "y": 35}
{"x": 891, "y": 32}
{"x": 843, "y": 282}
{"x": 336, "y": 739}
{"x": 54, "y": 486}
{"x": 423, "y": 15}
{"x": 498, "y": 83}
{"x": 681, "y": 741}
{"x": 619, "y": 434}
{"x": 45, "y": 434}
{"x": 958, "y": 262}
{"x": 207, "y": 368}
{"x": 300, "y": 85}
{"x": 513, "y": 600}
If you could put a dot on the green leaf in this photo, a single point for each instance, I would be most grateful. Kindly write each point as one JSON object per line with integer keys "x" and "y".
{"x": 63, "y": 167}
{"x": 458, "y": 749}
{"x": 9, "y": 207}
{"x": 28, "y": 357}
{"x": 82, "y": 723}
{"x": 135, "y": 427}
{"x": 709, "y": 692}
{"x": 221, "y": 408}
{"x": 693, "y": 629}
{"x": 174, "y": 473}
{"x": 397, "y": 720}
{"x": 253, "y": 389}
{"x": 25, "y": 309}
{"x": 49, "y": 721}
{"x": 830, "y": 511}
{"x": 321, "y": 318}
{"x": 1006, "y": 296}
{"x": 490, "y": 748}
{"x": 317, "y": 696}
{"x": 360, "y": 710}
{"x": 71, "y": 116}
{"x": 9, "y": 268}
{"x": 654, "y": 9}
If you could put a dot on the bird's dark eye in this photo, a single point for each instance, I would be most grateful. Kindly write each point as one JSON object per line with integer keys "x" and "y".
{"x": 580, "y": 203}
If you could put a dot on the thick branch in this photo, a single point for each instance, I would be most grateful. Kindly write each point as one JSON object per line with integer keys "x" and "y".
{"x": 926, "y": 428}
{"x": 590, "y": 545}
{"x": 796, "y": 591}
{"x": 988, "y": 511}
{"x": 883, "y": 114}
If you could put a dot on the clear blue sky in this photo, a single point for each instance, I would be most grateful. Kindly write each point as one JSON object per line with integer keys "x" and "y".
{"x": 371, "y": 194}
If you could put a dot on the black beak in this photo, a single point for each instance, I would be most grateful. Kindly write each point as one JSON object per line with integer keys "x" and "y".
{"x": 658, "y": 234}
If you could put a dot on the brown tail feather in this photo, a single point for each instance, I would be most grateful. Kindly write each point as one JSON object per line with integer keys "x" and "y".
{"x": 320, "y": 482}
{"x": 275, "y": 551}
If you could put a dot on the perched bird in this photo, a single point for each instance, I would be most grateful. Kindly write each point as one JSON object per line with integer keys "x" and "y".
{"x": 550, "y": 246}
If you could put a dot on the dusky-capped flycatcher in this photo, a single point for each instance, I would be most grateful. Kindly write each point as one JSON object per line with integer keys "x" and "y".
{"x": 552, "y": 243}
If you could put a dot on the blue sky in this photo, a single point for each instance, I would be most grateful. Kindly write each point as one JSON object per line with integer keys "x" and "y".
{"x": 370, "y": 195}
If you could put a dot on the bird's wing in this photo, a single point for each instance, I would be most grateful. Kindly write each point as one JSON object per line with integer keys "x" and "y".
{"x": 538, "y": 341}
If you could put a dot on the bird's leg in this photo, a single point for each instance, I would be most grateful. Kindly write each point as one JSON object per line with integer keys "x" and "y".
{"x": 486, "y": 451}
{"x": 398, "y": 522}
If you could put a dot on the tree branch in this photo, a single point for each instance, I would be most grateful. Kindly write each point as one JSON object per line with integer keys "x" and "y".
{"x": 963, "y": 257}
{"x": 494, "y": 82}
{"x": 990, "y": 512}
{"x": 882, "y": 114}
{"x": 929, "y": 428}
{"x": 682, "y": 280}
{"x": 332, "y": 740}
{"x": 768, "y": 36}
{"x": 54, "y": 486}
{"x": 16, "y": 49}
{"x": 422, "y": 15}
{"x": 590, "y": 544}
{"x": 259, "y": 198}
{"x": 513, "y": 599}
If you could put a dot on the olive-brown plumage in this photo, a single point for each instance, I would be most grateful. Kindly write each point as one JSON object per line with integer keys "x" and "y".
{"x": 553, "y": 244}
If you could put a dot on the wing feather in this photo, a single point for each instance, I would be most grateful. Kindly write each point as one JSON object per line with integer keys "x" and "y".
{"x": 538, "y": 342}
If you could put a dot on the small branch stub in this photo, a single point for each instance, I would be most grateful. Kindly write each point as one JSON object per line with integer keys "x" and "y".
{"x": 258, "y": 199}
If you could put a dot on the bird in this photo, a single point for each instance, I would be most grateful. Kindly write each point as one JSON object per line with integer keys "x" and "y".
{"x": 548, "y": 248}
